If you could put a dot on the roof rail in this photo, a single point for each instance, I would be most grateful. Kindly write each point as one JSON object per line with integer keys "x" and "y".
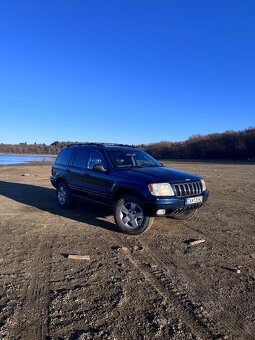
{"x": 81, "y": 144}
{"x": 101, "y": 144}
{"x": 116, "y": 144}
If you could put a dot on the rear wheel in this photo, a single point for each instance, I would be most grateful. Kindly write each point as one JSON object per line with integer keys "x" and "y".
{"x": 63, "y": 195}
{"x": 130, "y": 215}
{"x": 185, "y": 215}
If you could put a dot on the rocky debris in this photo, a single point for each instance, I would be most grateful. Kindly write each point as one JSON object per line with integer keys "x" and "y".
{"x": 137, "y": 247}
{"x": 115, "y": 247}
{"x": 90, "y": 333}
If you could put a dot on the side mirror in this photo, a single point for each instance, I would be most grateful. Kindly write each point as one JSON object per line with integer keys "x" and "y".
{"x": 99, "y": 168}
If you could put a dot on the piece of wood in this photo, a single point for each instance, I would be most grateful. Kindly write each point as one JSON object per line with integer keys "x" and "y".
{"x": 79, "y": 257}
{"x": 235, "y": 269}
{"x": 193, "y": 243}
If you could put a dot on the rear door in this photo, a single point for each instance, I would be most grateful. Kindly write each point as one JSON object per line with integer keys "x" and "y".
{"x": 78, "y": 172}
{"x": 99, "y": 184}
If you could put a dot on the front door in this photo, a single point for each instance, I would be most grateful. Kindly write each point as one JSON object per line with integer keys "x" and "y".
{"x": 99, "y": 184}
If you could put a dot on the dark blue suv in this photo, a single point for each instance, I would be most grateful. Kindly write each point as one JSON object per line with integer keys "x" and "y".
{"x": 132, "y": 182}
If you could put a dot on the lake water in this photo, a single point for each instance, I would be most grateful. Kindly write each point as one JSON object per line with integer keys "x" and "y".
{"x": 19, "y": 159}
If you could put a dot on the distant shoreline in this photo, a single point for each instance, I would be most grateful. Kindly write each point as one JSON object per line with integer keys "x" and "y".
{"x": 32, "y": 163}
{"x": 15, "y": 159}
{"x": 29, "y": 154}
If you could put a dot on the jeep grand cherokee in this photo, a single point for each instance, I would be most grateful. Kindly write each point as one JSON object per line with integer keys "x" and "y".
{"x": 132, "y": 182}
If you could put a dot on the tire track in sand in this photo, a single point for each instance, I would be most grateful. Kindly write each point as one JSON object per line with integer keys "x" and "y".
{"x": 32, "y": 320}
{"x": 159, "y": 274}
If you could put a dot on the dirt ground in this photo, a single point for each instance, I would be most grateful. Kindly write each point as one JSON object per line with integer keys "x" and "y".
{"x": 152, "y": 286}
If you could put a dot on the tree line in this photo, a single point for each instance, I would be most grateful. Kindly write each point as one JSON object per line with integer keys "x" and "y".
{"x": 227, "y": 145}
{"x": 25, "y": 148}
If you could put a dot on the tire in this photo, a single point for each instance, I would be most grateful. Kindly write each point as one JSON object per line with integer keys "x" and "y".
{"x": 186, "y": 215}
{"x": 63, "y": 196}
{"x": 130, "y": 216}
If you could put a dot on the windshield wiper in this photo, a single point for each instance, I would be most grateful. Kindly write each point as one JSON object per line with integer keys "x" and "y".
{"x": 125, "y": 166}
{"x": 147, "y": 166}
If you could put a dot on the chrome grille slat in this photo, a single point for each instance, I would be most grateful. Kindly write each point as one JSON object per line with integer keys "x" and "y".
{"x": 197, "y": 184}
{"x": 178, "y": 191}
{"x": 196, "y": 188}
{"x": 188, "y": 189}
{"x": 193, "y": 187}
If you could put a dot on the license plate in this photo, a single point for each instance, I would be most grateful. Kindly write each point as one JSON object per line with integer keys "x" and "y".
{"x": 193, "y": 200}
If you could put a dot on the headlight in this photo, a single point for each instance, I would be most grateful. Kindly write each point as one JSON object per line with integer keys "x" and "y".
{"x": 161, "y": 189}
{"x": 203, "y": 185}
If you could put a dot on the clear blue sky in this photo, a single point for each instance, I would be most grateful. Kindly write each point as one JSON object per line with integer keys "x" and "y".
{"x": 125, "y": 71}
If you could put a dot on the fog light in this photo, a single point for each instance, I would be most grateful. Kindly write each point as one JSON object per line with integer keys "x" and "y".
{"x": 161, "y": 212}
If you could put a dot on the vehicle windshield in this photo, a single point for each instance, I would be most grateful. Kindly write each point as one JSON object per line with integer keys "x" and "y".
{"x": 131, "y": 158}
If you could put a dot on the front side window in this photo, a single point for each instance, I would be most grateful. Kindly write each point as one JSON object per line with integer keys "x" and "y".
{"x": 95, "y": 158}
{"x": 131, "y": 158}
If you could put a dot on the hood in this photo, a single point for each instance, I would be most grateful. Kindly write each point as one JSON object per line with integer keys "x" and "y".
{"x": 160, "y": 174}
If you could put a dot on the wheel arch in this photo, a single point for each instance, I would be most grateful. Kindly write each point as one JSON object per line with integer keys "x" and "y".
{"x": 124, "y": 191}
{"x": 60, "y": 179}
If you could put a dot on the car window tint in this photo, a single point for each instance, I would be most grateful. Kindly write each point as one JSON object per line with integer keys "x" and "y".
{"x": 80, "y": 158}
{"x": 95, "y": 158}
{"x": 64, "y": 156}
{"x": 130, "y": 158}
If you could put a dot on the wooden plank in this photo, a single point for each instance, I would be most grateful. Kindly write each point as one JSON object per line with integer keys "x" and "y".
{"x": 193, "y": 243}
{"x": 79, "y": 257}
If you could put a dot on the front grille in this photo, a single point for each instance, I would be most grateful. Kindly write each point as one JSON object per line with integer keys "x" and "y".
{"x": 188, "y": 189}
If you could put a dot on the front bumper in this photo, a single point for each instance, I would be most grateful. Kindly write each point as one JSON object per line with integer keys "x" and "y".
{"x": 53, "y": 181}
{"x": 172, "y": 204}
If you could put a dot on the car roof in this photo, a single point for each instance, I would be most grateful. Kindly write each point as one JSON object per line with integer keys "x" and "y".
{"x": 98, "y": 146}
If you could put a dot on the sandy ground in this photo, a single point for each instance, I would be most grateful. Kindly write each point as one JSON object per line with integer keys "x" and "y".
{"x": 152, "y": 286}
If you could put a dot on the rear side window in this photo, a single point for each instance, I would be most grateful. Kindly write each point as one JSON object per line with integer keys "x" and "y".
{"x": 64, "y": 156}
{"x": 80, "y": 158}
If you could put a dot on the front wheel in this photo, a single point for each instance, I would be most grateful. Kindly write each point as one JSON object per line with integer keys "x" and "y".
{"x": 63, "y": 195}
{"x": 130, "y": 216}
